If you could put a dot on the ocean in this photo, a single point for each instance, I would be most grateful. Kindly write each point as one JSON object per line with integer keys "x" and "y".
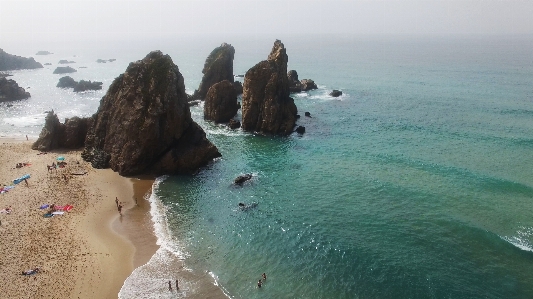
{"x": 416, "y": 183}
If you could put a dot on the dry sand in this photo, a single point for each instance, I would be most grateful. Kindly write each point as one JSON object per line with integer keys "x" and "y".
{"x": 87, "y": 252}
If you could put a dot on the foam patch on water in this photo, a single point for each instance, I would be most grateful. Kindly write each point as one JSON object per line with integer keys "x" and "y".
{"x": 25, "y": 121}
{"x": 152, "y": 279}
{"x": 521, "y": 239}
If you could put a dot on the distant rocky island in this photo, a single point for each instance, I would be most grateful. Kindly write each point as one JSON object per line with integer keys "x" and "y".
{"x": 43, "y": 53}
{"x": 105, "y": 61}
{"x": 64, "y": 61}
{"x": 10, "y": 62}
{"x": 69, "y": 82}
{"x": 64, "y": 70}
{"x": 11, "y": 91}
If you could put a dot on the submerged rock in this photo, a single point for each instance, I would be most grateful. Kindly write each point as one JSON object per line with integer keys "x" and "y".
{"x": 266, "y": 104}
{"x": 144, "y": 125}
{"x": 10, "y": 62}
{"x": 11, "y": 91}
{"x": 242, "y": 178}
{"x": 217, "y": 67}
{"x": 335, "y": 93}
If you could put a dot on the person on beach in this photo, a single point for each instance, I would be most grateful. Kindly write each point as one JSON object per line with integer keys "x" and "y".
{"x": 170, "y": 285}
{"x": 177, "y": 287}
{"x": 116, "y": 201}
{"x": 120, "y": 209}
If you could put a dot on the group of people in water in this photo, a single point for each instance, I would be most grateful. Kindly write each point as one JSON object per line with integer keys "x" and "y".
{"x": 262, "y": 280}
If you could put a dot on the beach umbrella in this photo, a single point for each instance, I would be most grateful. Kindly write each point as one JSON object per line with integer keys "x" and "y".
{"x": 60, "y": 158}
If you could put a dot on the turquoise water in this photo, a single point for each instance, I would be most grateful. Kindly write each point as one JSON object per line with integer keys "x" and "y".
{"x": 416, "y": 183}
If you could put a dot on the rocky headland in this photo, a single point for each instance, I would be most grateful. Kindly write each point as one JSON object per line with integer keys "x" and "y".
{"x": 11, "y": 91}
{"x": 10, "y": 62}
{"x": 266, "y": 105}
{"x": 144, "y": 125}
{"x": 217, "y": 67}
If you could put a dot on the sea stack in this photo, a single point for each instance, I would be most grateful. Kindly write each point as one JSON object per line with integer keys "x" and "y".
{"x": 144, "y": 125}
{"x": 217, "y": 67}
{"x": 221, "y": 102}
{"x": 266, "y": 105}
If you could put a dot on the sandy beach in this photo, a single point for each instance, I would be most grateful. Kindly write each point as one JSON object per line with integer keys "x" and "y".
{"x": 86, "y": 252}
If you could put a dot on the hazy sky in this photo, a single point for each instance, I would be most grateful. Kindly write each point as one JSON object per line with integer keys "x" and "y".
{"x": 45, "y": 20}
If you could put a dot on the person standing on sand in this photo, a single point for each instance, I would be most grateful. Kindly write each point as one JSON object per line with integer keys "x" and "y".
{"x": 120, "y": 209}
{"x": 177, "y": 287}
{"x": 170, "y": 285}
{"x": 116, "y": 201}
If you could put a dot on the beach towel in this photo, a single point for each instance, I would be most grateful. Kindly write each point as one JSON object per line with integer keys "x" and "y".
{"x": 58, "y": 213}
{"x": 48, "y": 215}
{"x": 44, "y": 206}
{"x": 22, "y": 178}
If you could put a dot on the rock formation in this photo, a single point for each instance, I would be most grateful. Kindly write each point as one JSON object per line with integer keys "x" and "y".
{"x": 87, "y": 85}
{"x": 238, "y": 87}
{"x": 64, "y": 70}
{"x": 266, "y": 105}
{"x": 335, "y": 93}
{"x": 218, "y": 67}
{"x": 242, "y": 178}
{"x": 144, "y": 125}
{"x": 68, "y": 82}
{"x": 308, "y": 84}
{"x": 221, "y": 102}
{"x": 298, "y": 86}
{"x": 10, "y": 91}
{"x": 234, "y": 124}
{"x": 10, "y": 62}
{"x": 70, "y": 135}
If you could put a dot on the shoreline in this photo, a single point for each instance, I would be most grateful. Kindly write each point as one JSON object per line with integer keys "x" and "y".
{"x": 87, "y": 252}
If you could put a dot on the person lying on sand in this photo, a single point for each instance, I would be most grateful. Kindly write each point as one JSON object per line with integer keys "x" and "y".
{"x": 31, "y": 272}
